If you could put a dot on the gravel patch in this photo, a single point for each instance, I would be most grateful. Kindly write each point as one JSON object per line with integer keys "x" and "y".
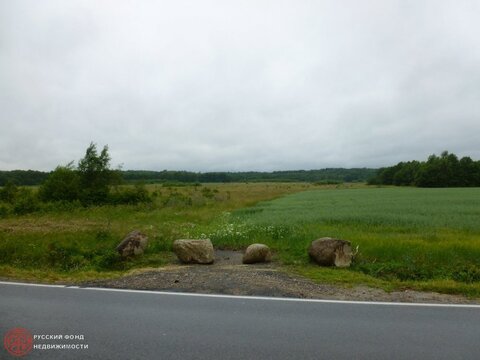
{"x": 230, "y": 277}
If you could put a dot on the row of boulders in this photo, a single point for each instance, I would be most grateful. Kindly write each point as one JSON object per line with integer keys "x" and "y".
{"x": 191, "y": 251}
{"x": 325, "y": 251}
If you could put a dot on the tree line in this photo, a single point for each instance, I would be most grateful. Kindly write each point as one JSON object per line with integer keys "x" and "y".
{"x": 321, "y": 175}
{"x": 446, "y": 170}
{"x": 336, "y": 175}
{"x": 23, "y": 177}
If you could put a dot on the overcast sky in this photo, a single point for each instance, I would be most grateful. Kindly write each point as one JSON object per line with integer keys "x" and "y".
{"x": 238, "y": 85}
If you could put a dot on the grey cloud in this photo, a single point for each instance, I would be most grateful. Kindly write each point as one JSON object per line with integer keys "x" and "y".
{"x": 223, "y": 85}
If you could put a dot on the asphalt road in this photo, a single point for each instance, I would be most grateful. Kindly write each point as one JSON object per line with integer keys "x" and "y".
{"x": 149, "y": 325}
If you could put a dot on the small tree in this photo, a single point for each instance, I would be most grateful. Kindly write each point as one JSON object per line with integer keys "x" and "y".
{"x": 95, "y": 175}
{"x": 90, "y": 182}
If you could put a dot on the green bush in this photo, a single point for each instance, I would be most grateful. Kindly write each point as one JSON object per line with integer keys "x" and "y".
{"x": 63, "y": 184}
{"x": 5, "y": 210}
{"x": 59, "y": 256}
{"x": 26, "y": 202}
{"x": 207, "y": 192}
{"x": 9, "y": 192}
{"x": 61, "y": 206}
{"x": 110, "y": 260}
{"x": 178, "y": 199}
{"x": 467, "y": 274}
{"x": 89, "y": 182}
{"x": 139, "y": 194}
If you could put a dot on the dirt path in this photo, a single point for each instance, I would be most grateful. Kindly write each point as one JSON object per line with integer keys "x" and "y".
{"x": 229, "y": 276}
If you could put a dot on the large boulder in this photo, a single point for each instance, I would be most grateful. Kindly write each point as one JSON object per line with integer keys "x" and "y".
{"x": 194, "y": 251}
{"x": 331, "y": 252}
{"x": 257, "y": 253}
{"x": 133, "y": 244}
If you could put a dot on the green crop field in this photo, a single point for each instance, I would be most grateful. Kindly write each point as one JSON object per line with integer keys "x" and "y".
{"x": 407, "y": 238}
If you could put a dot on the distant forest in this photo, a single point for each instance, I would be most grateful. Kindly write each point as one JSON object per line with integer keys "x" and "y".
{"x": 330, "y": 175}
{"x": 23, "y": 177}
{"x": 445, "y": 170}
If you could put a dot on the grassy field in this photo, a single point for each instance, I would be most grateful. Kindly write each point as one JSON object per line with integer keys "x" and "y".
{"x": 407, "y": 237}
{"x": 76, "y": 243}
{"x": 426, "y": 239}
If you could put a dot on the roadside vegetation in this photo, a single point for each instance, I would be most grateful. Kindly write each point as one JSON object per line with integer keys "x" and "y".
{"x": 408, "y": 238}
{"x": 67, "y": 228}
{"x": 69, "y": 241}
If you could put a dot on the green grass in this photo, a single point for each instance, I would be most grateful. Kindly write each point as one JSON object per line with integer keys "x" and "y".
{"x": 427, "y": 239}
{"x": 79, "y": 243}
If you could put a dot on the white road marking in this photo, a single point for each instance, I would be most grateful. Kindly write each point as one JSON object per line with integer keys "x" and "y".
{"x": 385, "y": 303}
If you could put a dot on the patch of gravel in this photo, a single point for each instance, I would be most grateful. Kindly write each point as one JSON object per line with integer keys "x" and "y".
{"x": 229, "y": 276}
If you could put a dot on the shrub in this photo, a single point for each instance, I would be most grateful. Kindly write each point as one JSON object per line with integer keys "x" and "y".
{"x": 63, "y": 184}
{"x": 207, "y": 192}
{"x": 5, "y": 210}
{"x": 9, "y": 192}
{"x": 178, "y": 199}
{"x": 61, "y": 206}
{"x": 58, "y": 256}
{"x": 139, "y": 194}
{"x": 467, "y": 274}
{"x": 26, "y": 202}
{"x": 90, "y": 182}
{"x": 111, "y": 260}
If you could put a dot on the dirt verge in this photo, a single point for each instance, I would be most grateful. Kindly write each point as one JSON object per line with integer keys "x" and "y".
{"x": 229, "y": 276}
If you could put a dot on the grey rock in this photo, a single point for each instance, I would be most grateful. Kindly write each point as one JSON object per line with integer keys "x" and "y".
{"x": 191, "y": 251}
{"x": 257, "y": 253}
{"x": 331, "y": 252}
{"x": 133, "y": 244}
